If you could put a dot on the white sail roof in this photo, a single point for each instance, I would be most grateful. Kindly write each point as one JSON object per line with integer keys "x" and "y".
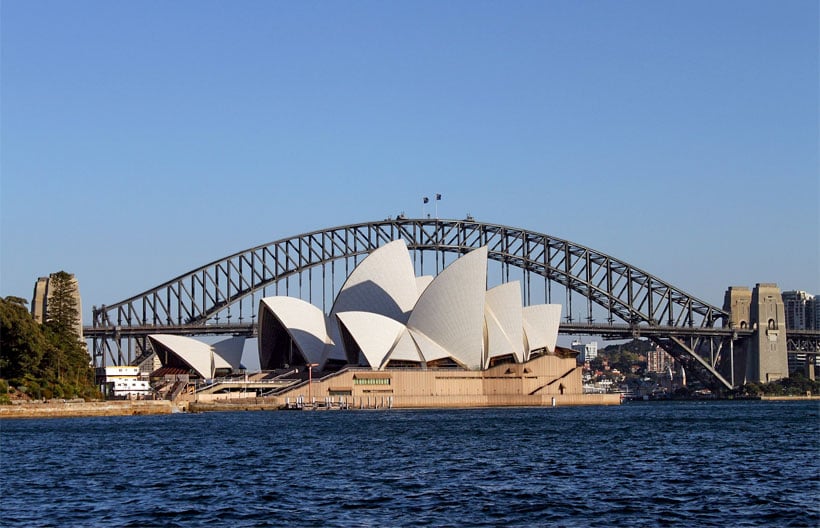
{"x": 505, "y": 331}
{"x": 430, "y": 350}
{"x": 382, "y": 283}
{"x": 450, "y": 311}
{"x": 201, "y": 357}
{"x": 231, "y": 351}
{"x": 386, "y": 318}
{"x": 541, "y": 326}
{"x": 405, "y": 349}
{"x": 305, "y": 323}
{"x": 423, "y": 282}
{"x": 374, "y": 334}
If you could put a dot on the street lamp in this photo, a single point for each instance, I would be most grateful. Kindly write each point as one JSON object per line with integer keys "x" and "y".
{"x": 310, "y": 381}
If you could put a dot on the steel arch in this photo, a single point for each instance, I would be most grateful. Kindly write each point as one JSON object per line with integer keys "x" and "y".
{"x": 207, "y": 293}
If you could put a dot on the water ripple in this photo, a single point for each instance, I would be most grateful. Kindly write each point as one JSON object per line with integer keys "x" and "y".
{"x": 675, "y": 464}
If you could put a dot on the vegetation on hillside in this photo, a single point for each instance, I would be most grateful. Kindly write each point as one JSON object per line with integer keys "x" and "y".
{"x": 629, "y": 359}
{"x": 623, "y": 357}
{"x": 795, "y": 385}
{"x": 48, "y": 360}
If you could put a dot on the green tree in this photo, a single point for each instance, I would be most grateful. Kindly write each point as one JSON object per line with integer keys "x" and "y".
{"x": 22, "y": 343}
{"x": 48, "y": 360}
{"x": 63, "y": 315}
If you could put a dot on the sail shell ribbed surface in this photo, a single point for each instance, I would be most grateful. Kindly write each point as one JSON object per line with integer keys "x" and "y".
{"x": 505, "y": 331}
{"x": 450, "y": 312}
{"x": 374, "y": 334}
{"x": 304, "y": 322}
{"x": 541, "y": 326}
{"x": 196, "y": 354}
{"x": 382, "y": 283}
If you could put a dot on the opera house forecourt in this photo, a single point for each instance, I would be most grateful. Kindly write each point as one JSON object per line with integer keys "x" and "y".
{"x": 395, "y": 340}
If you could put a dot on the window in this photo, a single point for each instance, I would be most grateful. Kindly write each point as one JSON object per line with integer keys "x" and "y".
{"x": 371, "y": 381}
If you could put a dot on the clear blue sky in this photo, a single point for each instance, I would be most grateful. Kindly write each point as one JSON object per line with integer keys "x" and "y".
{"x": 143, "y": 139}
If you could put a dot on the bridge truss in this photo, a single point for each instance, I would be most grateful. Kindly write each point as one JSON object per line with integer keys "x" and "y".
{"x": 600, "y": 293}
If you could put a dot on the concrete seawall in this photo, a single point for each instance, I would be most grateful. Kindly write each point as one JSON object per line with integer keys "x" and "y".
{"x": 76, "y": 409}
{"x": 140, "y": 407}
{"x": 791, "y": 398}
{"x": 417, "y": 402}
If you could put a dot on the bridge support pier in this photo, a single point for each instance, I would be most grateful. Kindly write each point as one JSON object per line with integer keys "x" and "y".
{"x": 764, "y": 355}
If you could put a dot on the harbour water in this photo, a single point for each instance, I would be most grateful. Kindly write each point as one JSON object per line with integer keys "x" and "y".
{"x": 641, "y": 464}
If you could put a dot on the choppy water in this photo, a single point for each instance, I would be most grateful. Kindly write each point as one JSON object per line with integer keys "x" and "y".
{"x": 647, "y": 464}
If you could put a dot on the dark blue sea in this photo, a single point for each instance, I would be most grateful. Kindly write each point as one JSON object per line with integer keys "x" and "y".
{"x": 641, "y": 464}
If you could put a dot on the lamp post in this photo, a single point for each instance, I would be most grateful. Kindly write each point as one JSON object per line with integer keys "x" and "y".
{"x": 310, "y": 382}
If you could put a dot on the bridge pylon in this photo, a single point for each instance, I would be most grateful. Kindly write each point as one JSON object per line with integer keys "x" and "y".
{"x": 762, "y": 356}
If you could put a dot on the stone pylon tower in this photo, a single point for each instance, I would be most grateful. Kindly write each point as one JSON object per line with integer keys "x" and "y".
{"x": 768, "y": 352}
{"x": 43, "y": 292}
{"x": 762, "y": 357}
{"x": 737, "y": 302}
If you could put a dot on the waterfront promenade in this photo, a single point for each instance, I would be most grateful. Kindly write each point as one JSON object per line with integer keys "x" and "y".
{"x": 59, "y": 409}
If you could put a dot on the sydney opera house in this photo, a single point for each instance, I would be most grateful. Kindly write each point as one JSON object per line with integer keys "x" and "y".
{"x": 411, "y": 341}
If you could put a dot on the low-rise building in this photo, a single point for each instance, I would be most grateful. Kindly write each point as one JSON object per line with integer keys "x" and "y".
{"x": 123, "y": 382}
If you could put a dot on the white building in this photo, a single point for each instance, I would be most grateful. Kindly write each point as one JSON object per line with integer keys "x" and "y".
{"x": 658, "y": 360}
{"x": 192, "y": 357}
{"x": 384, "y": 316}
{"x": 800, "y": 310}
{"x": 586, "y": 352}
{"x": 124, "y": 382}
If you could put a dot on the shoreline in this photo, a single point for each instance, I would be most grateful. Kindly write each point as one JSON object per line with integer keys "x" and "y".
{"x": 157, "y": 407}
{"x": 87, "y": 409}
{"x": 791, "y": 398}
{"x": 69, "y": 409}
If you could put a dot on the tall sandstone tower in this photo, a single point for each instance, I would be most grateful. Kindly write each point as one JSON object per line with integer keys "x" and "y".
{"x": 43, "y": 291}
{"x": 763, "y": 357}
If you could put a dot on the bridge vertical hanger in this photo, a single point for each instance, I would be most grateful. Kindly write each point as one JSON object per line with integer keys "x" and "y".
{"x": 624, "y": 291}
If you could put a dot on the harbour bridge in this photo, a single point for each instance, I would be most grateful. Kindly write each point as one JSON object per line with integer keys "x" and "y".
{"x": 600, "y": 294}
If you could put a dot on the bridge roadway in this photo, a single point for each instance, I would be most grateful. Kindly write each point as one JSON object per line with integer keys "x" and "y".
{"x": 607, "y": 331}
{"x": 613, "y": 331}
{"x": 799, "y": 341}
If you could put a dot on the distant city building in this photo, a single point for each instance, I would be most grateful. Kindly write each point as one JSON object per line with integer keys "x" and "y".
{"x": 802, "y": 313}
{"x": 658, "y": 360}
{"x": 586, "y": 351}
{"x": 800, "y": 309}
{"x": 43, "y": 291}
{"x": 816, "y": 305}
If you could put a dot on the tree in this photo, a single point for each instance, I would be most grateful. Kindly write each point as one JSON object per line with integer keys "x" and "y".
{"x": 48, "y": 360}
{"x": 62, "y": 315}
{"x": 22, "y": 344}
